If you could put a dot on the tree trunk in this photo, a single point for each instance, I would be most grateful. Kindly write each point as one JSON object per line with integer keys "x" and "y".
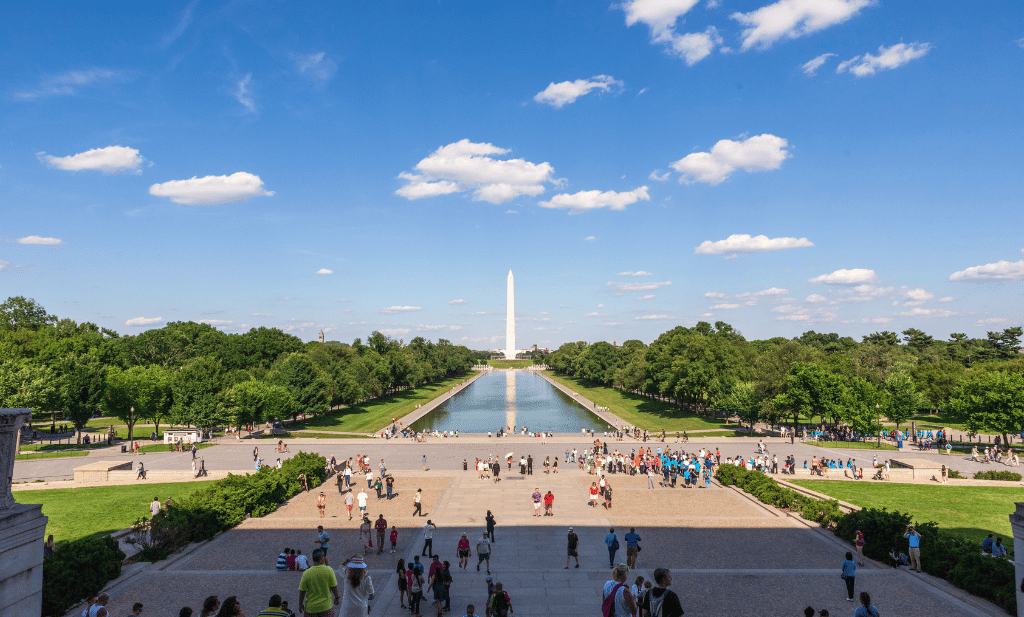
{"x": 131, "y": 434}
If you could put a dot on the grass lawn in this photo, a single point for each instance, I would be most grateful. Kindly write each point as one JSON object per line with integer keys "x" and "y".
{"x": 510, "y": 363}
{"x": 162, "y": 447}
{"x": 939, "y": 420}
{"x": 650, "y": 414}
{"x": 51, "y": 447}
{"x": 852, "y": 445}
{"x": 35, "y": 455}
{"x": 79, "y": 512}
{"x": 719, "y": 434}
{"x": 308, "y": 435}
{"x": 971, "y": 511}
{"x": 372, "y": 416}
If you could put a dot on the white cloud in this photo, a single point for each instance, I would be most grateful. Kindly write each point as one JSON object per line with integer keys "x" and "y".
{"x": 788, "y": 308}
{"x": 853, "y": 276}
{"x": 745, "y": 243}
{"x": 459, "y": 301}
{"x": 714, "y": 294}
{"x": 511, "y": 211}
{"x": 315, "y": 65}
{"x": 143, "y": 321}
{"x": 4, "y": 265}
{"x": 661, "y": 17}
{"x": 612, "y": 323}
{"x": 771, "y": 291}
{"x": 660, "y": 177}
{"x": 799, "y": 317}
{"x": 647, "y": 297}
{"x": 637, "y": 273}
{"x": 750, "y": 303}
{"x": 1000, "y": 271}
{"x": 563, "y": 93}
{"x": 923, "y": 312}
{"x": 880, "y": 320}
{"x": 917, "y": 296}
{"x": 590, "y": 239}
{"x": 464, "y": 166}
{"x": 717, "y": 307}
{"x": 707, "y": 315}
{"x": 594, "y": 314}
{"x": 400, "y": 309}
{"x": 865, "y": 293}
{"x": 811, "y": 67}
{"x": 183, "y": 24}
{"x": 759, "y": 153}
{"x": 39, "y": 240}
{"x": 653, "y": 317}
{"x": 439, "y": 327}
{"x": 990, "y": 321}
{"x": 395, "y": 331}
{"x": 813, "y": 298}
{"x": 261, "y": 315}
{"x": 109, "y": 160}
{"x": 600, "y": 306}
{"x": 244, "y": 94}
{"x": 68, "y": 83}
{"x": 946, "y": 299}
{"x": 636, "y": 286}
{"x": 578, "y": 203}
{"x": 790, "y": 19}
{"x": 888, "y": 58}
{"x": 217, "y": 322}
{"x": 212, "y": 190}
{"x": 324, "y": 271}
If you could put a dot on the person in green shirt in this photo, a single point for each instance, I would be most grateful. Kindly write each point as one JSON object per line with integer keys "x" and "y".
{"x": 317, "y": 586}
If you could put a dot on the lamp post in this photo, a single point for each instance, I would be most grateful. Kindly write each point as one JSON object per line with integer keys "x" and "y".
{"x": 878, "y": 419}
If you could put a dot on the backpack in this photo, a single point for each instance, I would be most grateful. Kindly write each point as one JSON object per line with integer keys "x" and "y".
{"x": 500, "y": 603}
{"x": 656, "y": 603}
{"x": 608, "y": 606}
{"x": 615, "y": 544}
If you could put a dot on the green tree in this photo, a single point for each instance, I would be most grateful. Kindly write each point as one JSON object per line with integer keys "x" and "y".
{"x": 21, "y": 313}
{"x": 246, "y": 402}
{"x": 812, "y": 391}
{"x": 993, "y": 402}
{"x": 197, "y": 391}
{"x": 138, "y": 392}
{"x": 81, "y": 386}
{"x": 900, "y": 399}
{"x": 740, "y": 400}
{"x": 307, "y": 388}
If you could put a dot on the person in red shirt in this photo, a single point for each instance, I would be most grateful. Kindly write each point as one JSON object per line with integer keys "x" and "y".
{"x": 549, "y": 502}
{"x": 593, "y": 494}
{"x": 464, "y": 551}
{"x": 381, "y": 526}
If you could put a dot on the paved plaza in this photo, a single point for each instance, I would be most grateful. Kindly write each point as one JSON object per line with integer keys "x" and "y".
{"x": 729, "y": 554}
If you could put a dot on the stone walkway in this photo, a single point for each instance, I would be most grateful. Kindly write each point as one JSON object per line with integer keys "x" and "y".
{"x": 729, "y": 554}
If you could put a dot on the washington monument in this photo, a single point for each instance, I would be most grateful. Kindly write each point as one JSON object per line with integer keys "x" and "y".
{"x": 510, "y": 320}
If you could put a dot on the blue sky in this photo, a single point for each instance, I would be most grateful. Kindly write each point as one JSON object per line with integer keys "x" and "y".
{"x": 836, "y": 165}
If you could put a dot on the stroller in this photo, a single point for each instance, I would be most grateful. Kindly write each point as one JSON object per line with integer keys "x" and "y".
{"x": 879, "y": 474}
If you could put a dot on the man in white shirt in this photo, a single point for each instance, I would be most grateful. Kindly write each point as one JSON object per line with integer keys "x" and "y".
{"x": 154, "y": 506}
{"x": 362, "y": 497}
{"x": 428, "y": 539}
{"x": 369, "y": 478}
{"x": 301, "y": 563}
{"x": 348, "y": 504}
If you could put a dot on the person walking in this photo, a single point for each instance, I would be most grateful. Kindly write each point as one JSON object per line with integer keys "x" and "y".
{"x": 323, "y": 540}
{"x": 350, "y": 501}
{"x": 632, "y": 547}
{"x": 865, "y": 609}
{"x": 415, "y": 591}
{"x": 914, "y": 539}
{"x": 549, "y": 504}
{"x": 403, "y": 583}
{"x": 417, "y": 506}
{"x": 536, "y": 496}
{"x": 612, "y": 542}
{"x": 661, "y": 601}
{"x": 321, "y": 503}
{"x": 593, "y": 494}
{"x": 358, "y": 589}
{"x": 428, "y": 539}
{"x": 616, "y": 592}
{"x": 573, "y": 548}
{"x": 483, "y": 552}
{"x": 463, "y": 551}
{"x": 489, "y": 519}
{"x": 389, "y": 486}
{"x": 381, "y": 526}
{"x": 650, "y": 477}
{"x": 848, "y": 574}
{"x": 858, "y": 541}
{"x": 501, "y": 603}
{"x": 317, "y": 586}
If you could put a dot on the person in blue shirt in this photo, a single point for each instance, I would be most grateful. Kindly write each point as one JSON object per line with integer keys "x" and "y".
{"x": 632, "y": 547}
{"x": 998, "y": 550}
{"x": 613, "y": 546}
{"x": 986, "y": 544}
{"x": 915, "y": 548}
{"x": 865, "y": 609}
{"x": 849, "y": 573}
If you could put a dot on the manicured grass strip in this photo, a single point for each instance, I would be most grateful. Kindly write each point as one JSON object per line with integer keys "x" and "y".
{"x": 971, "y": 511}
{"x": 650, "y": 414}
{"x": 31, "y": 456}
{"x": 510, "y": 363}
{"x": 851, "y": 445}
{"x": 162, "y": 447}
{"x": 719, "y": 434}
{"x": 372, "y": 416}
{"x": 53, "y": 447}
{"x": 79, "y": 512}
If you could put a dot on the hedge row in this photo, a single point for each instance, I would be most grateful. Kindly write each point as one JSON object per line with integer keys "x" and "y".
{"x": 997, "y": 475}
{"x": 943, "y": 554}
{"x": 78, "y": 570}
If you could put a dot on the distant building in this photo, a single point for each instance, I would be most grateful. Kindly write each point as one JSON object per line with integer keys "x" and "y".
{"x": 321, "y": 337}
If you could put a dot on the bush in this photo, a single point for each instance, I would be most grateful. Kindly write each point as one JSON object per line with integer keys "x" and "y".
{"x": 955, "y": 474}
{"x": 997, "y": 475}
{"x": 986, "y": 577}
{"x": 822, "y": 511}
{"x": 77, "y": 571}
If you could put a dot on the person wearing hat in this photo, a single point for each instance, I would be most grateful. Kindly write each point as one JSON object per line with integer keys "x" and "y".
{"x": 317, "y": 586}
{"x": 358, "y": 589}
{"x": 574, "y": 543}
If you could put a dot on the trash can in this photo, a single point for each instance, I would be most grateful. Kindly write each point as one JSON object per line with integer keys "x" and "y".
{"x": 124, "y": 448}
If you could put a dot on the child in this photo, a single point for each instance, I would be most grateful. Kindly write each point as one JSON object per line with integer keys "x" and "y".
{"x": 394, "y": 537}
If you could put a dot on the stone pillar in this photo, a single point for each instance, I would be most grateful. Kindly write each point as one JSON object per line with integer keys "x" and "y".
{"x": 1017, "y": 523}
{"x": 21, "y": 531}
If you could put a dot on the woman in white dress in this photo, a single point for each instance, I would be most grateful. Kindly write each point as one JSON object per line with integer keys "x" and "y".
{"x": 358, "y": 589}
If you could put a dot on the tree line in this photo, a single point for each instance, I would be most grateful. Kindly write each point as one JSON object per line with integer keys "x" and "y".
{"x": 713, "y": 368}
{"x": 191, "y": 374}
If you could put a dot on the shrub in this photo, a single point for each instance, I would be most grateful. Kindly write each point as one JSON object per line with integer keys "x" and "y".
{"x": 986, "y": 577}
{"x": 955, "y": 474}
{"x": 78, "y": 570}
{"x": 882, "y": 530}
{"x": 997, "y": 475}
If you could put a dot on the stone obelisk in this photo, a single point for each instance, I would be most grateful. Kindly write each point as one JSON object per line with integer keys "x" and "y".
{"x": 510, "y": 320}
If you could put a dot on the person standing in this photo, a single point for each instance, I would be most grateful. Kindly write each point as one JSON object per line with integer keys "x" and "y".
{"x": 424, "y": 462}
{"x": 529, "y": 465}
{"x": 848, "y": 574}
{"x": 914, "y": 539}
{"x": 358, "y": 589}
{"x": 381, "y": 526}
{"x": 417, "y": 506}
{"x": 536, "y": 496}
{"x": 155, "y": 506}
{"x": 661, "y": 600}
{"x": 612, "y": 542}
{"x": 593, "y": 494}
{"x": 573, "y": 548}
{"x": 632, "y": 547}
{"x": 255, "y": 454}
{"x": 617, "y": 591}
{"x": 415, "y": 591}
{"x": 321, "y": 503}
{"x": 650, "y": 477}
{"x": 483, "y": 552}
{"x": 549, "y": 504}
{"x": 389, "y": 485}
{"x": 349, "y": 502}
{"x": 858, "y": 541}
{"x": 501, "y": 604}
{"x": 317, "y": 587}
{"x": 428, "y": 539}
{"x": 490, "y": 525}
{"x": 865, "y": 609}
{"x": 324, "y": 541}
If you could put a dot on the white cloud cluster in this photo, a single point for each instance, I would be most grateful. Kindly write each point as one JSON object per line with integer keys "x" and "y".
{"x": 923, "y": 312}
{"x": 790, "y": 19}
{"x": 400, "y": 309}
{"x": 999, "y": 271}
{"x": 590, "y": 239}
{"x": 324, "y": 271}
{"x": 647, "y": 297}
{"x": 566, "y": 92}
{"x": 143, "y": 321}
{"x": 661, "y": 17}
{"x": 637, "y": 273}
{"x": 244, "y": 94}
{"x": 816, "y": 298}
{"x": 316, "y": 66}
{"x": 915, "y": 297}
{"x": 811, "y": 68}
{"x": 623, "y": 287}
{"x": 723, "y": 306}
{"x": 888, "y": 58}
{"x": 464, "y": 166}
{"x": 439, "y": 327}
{"x": 68, "y": 83}
{"x": 212, "y": 190}
{"x": 759, "y": 153}
{"x": 771, "y": 291}
{"x": 653, "y": 317}
{"x": 745, "y": 243}
{"x": 714, "y": 294}
{"x": 946, "y": 299}
{"x": 40, "y": 241}
{"x": 578, "y": 203}
{"x": 865, "y": 293}
{"x": 854, "y": 276}
{"x": 459, "y": 301}
{"x": 109, "y": 160}
{"x": 4, "y": 265}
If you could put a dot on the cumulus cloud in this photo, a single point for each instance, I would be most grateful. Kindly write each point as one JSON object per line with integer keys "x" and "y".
{"x": 647, "y": 297}
{"x": 759, "y": 153}
{"x": 990, "y": 321}
{"x": 590, "y": 239}
{"x": 917, "y": 296}
{"x": 787, "y": 308}
{"x": 923, "y": 312}
{"x": 395, "y": 331}
{"x": 661, "y": 17}
{"x": 790, "y": 19}
{"x": 999, "y": 271}
{"x": 854, "y": 276}
{"x": 439, "y": 327}
{"x": 652, "y": 317}
{"x": 815, "y": 298}
{"x": 865, "y": 293}
{"x": 594, "y": 314}
{"x": 795, "y": 317}
{"x": 212, "y": 190}
{"x": 745, "y": 243}
{"x": 69, "y": 83}
{"x": 40, "y": 241}
{"x": 717, "y": 307}
{"x": 660, "y": 177}
{"x": 244, "y": 94}
{"x": 888, "y": 58}
{"x": 566, "y": 92}
{"x": 400, "y": 309}
{"x": 467, "y": 166}
{"x": 511, "y": 211}
{"x": 324, "y": 271}
{"x": 622, "y": 287}
{"x": 143, "y": 321}
{"x": 109, "y": 160}
{"x": 714, "y": 294}
{"x": 459, "y": 301}
{"x": 946, "y": 299}
{"x": 316, "y": 66}
{"x": 577, "y": 203}
{"x": 637, "y": 273}
{"x": 811, "y": 68}
{"x": 4, "y": 265}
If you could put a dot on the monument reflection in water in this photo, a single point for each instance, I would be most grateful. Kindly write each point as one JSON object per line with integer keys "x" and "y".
{"x": 510, "y": 399}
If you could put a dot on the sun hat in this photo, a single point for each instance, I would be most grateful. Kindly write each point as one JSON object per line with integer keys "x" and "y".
{"x": 356, "y": 562}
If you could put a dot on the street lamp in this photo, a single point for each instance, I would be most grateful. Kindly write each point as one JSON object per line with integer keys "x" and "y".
{"x": 878, "y": 419}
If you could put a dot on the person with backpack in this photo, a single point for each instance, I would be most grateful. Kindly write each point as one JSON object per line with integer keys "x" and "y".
{"x": 501, "y": 604}
{"x": 661, "y": 601}
{"x": 618, "y": 600}
{"x": 613, "y": 546}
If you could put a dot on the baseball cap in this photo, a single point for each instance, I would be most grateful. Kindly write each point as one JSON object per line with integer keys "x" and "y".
{"x": 570, "y": 529}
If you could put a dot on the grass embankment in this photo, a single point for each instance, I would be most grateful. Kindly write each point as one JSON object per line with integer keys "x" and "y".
{"x": 510, "y": 363}
{"x": 636, "y": 410}
{"x": 79, "y": 512}
{"x": 851, "y": 445}
{"x": 372, "y": 416}
{"x": 971, "y": 511}
{"x": 31, "y": 456}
